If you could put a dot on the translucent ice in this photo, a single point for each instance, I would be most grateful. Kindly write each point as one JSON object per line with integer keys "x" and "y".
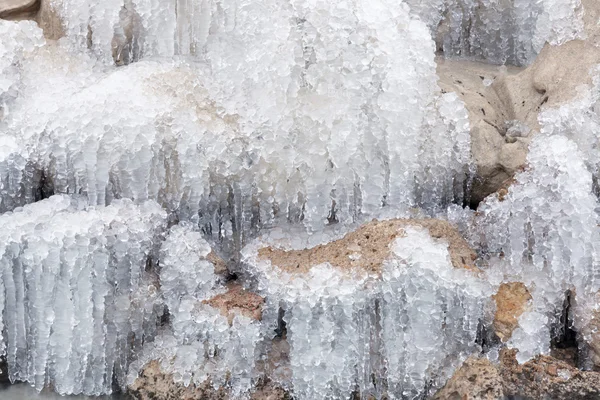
{"x": 352, "y": 331}
{"x": 284, "y": 115}
{"x": 500, "y": 31}
{"x": 546, "y": 232}
{"x": 75, "y": 295}
{"x": 200, "y": 344}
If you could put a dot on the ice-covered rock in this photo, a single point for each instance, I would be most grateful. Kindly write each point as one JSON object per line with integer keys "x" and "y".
{"x": 330, "y": 125}
{"x": 545, "y": 232}
{"x": 500, "y": 31}
{"x": 76, "y": 297}
{"x": 512, "y": 300}
{"x": 211, "y": 342}
{"x": 355, "y": 308}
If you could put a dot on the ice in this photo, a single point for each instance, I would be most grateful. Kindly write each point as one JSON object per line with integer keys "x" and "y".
{"x": 500, "y": 31}
{"x": 293, "y": 118}
{"x": 76, "y": 298}
{"x": 351, "y": 331}
{"x": 546, "y": 232}
{"x": 201, "y": 344}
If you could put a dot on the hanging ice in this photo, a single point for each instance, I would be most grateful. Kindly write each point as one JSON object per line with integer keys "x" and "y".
{"x": 282, "y": 120}
{"x": 500, "y": 31}
{"x": 213, "y": 334}
{"x": 355, "y": 309}
{"x": 76, "y": 297}
{"x": 546, "y": 231}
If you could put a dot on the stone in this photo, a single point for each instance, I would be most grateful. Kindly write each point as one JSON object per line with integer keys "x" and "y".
{"x": 547, "y": 377}
{"x": 18, "y": 9}
{"x": 476, "y": 379}
{"x": 511, "y": 300}
{"x": 497, "y": 154}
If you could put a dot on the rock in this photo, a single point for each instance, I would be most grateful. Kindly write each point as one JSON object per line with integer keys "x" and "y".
{"x": 236, "y": 301}
{"x": 511, "y": 301}
{"x": 545, "y": 377}
{"x": 370, "y": 245}
{"x": 497, "y": 155}
{"x": 18, "y": 9}
{"x": 516, "y": 94}
{"x": 476, "y": 379}
{"x": 154, "y": 384}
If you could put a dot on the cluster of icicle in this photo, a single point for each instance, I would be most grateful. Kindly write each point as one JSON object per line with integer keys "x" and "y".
{"x": 75, "y": 297}
{"x": 544, "y": 233}
{"x": 355, "y": 332}
{"x": 199, "y": 345}
{"x": 500, "y": 31}
{"x": 291, "y": 111}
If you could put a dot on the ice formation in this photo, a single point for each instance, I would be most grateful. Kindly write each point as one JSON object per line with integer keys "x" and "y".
{"x": 500, "y": 31}
{"x": 76, "y": 299}
{"x": 292, "y": 122}
{"x": 545, "y": 232}
{"x": 200, "y": 344}
{"x": 353, "y": 331}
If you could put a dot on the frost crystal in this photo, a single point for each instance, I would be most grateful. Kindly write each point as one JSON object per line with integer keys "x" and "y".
{"x": 76, "y": 297}
{"x": 348, "y": 327}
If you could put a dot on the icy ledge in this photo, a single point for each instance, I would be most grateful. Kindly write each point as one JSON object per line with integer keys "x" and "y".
{"x": 75, "y": 297}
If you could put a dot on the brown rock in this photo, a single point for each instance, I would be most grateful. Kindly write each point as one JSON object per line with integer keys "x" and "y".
{"x": 476, "y": 379}
{"x": 546, "y": 377}
{"x": 236, "y": 299}
{"x": 154, "y": 384}
{"x": 371, "y": 241}
{"x": 511, "y": 301}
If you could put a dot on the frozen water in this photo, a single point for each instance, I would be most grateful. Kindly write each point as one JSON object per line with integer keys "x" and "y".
{"x": 500, "y": 31}
{"x": 234, "y": 116}
{"x": 199, "y": 344}
{"x": 350, "y": 331}
{"x": 76, "y": 300}
{"x": 293, "y": 117}
{"x": 546, "y": 231}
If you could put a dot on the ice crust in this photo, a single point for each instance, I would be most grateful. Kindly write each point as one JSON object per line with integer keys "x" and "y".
{"x": 76, "y": 299}
{"x": 347, "y": 328}
{"x": 199, "y": 345}
{"x": 292, "y": 118}
{"x": 500, "y": 31}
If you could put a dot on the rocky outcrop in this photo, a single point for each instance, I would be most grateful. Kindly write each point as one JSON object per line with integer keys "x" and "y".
{"x": 369, "y": 246}
{"x": 504, "y": 102}
{"x": 476, "y": 379}
{"x": 544, "y": 377}
{"x": 18, "y": 9}
{"x": 498, "y": 142}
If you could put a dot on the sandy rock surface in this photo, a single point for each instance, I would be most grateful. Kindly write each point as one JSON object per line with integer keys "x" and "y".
{"x": 371, "y": 241}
